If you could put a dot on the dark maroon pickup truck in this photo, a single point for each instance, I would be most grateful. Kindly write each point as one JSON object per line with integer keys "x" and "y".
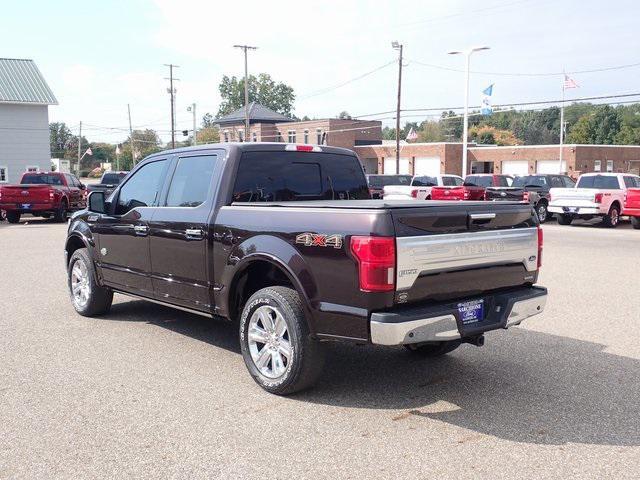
{"x": 43, "y": 194}
{"x": 285, "y": 240}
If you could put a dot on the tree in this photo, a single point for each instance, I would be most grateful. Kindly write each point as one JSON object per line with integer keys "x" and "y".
{"x": 146, "y": 142}
{"x": 208, "y": 120}
{"x": 431, "y": 132}
{"x": 582, "y": 131}
{"x": 628, "y": 136}
{"x": 262, "y": 89}
{"x": 208, "y": 135}
{"x": 486, "y": 135}
{"x": 60, "y": 139}
{"x": 344, "y": 115}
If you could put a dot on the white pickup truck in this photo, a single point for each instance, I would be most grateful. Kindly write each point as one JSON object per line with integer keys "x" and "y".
{"x": 595, "y": 195}
{"x": 420, "y": 188}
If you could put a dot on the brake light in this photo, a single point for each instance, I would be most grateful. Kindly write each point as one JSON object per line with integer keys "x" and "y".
{"x": 540, "y": 245}
{"x": 51, "y": 194}
{"x": 376, "y": 258}
{"x": 525, "y": 197}
{"x": 414, "y": 193}
{"x": 597, "y": 198}
{"x": 466, "y": 193}
{"x": 292, "y": 147}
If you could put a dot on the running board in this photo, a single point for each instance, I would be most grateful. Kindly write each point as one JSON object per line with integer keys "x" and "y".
{"x": 165, "y": 304}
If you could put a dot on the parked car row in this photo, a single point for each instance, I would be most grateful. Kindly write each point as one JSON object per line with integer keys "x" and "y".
{"x": 50, "y": 194}
{"x": 605, "y": 195}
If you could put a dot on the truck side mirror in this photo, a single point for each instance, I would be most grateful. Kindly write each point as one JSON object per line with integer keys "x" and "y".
{"x": 96, "y": 202}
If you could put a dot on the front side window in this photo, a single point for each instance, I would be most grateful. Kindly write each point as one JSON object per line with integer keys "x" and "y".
{"x": 505, "y": 181}
{"x": 568, "y": 182}
{"x": 424, "y": 181}
{"x": 142, "y": 189}
{"x": 556, "y": 182}
{"x": 4, "y": 175}
{"x": 291, "y": 136}
{"x": 300, "y": 176}
{"x": 604, "y": 182}
{"x": 191, "y": 182}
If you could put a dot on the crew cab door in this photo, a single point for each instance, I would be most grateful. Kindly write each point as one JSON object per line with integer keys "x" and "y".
{"x": 180, "y": 244}
{"x": 123, "y": 234}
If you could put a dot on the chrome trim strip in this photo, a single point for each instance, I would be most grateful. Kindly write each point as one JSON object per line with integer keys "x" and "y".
{"x": 165, "y": 304}
{"x": 482, "y": 216}
{"x": 428, "y": 254}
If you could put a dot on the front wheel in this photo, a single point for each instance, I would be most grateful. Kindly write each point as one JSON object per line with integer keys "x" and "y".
{"x": 612, "y": 219}
{"x": 434, "y": 349}
{"x": 565, "y": 219}
{"x": 541, "y": 210}
{"x": 61, "y": 213}
{"x": 276, "y": 345}
{"x": 635, "y": 222}
{"x": 13, "y": 217}
{"x": 88, "y": 298}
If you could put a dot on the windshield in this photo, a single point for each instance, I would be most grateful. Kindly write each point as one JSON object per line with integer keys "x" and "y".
{"x": 530, "y": 180}
{"x": 42, "y": 178}
{"x": 604, "y": 182}
{"x": 112, "y": 178}
{"x": 384, "y": 180}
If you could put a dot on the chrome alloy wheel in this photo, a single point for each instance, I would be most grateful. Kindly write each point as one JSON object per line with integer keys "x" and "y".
{"x": 80, "y": 287}
{"x": 542, "y": 213}
{"x": 615, "y": 216}
{"x": 268, "y": 340}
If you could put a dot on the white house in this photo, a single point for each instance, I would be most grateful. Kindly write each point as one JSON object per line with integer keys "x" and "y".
{"x": 24, "y": 119}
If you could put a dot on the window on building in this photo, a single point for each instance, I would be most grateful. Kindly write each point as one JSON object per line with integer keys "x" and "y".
{"x": 319, "y": 136}
{"x": 278, "y": 137}
{"x": 597, "y": 166}
{"x": 32, "y": 169}
{"x": 306, "y": 136}
{"x": 191, "y": 181}
{"x": 254, "y": 137}
{"x": 4, "y": 174}
{"x": 609, "y": 165}
{"x": 226, "y": 135}
{"x": 291, "y": 136}
{"x": 240, "y": 135}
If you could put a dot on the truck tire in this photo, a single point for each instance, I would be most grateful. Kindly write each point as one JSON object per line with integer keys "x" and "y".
{"x": 13, "y": 217}
{"x": 635, "y": 222}
{"x": 3, "y": 215}
{"x": 564, "y": 219}
{"x": 88, "y": 298}
{"x": 276, "y": 344}
{"x": 611, "y": 219}
{"x": 541, "y": 210}
{"x": 61, "y": 213}
{"x": 434, "y": 349}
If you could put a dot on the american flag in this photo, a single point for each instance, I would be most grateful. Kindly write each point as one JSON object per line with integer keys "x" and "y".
{"x": 412, "y": 135}
{"x": 569, "y": 82}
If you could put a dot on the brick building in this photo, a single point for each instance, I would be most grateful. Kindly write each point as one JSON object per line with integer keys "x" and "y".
{"x": 265, "y": 125}
{"x": 434, "y": 158}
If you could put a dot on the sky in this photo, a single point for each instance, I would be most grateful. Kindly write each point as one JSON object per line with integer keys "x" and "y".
{"x": 100, "y": 56}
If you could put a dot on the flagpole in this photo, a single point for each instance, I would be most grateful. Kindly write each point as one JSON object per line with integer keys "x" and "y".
{"x": 562, "y": 123}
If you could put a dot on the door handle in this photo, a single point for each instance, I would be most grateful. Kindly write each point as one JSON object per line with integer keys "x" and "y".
{"x": 141, "y": 229}
{"x": 194, "y": 233}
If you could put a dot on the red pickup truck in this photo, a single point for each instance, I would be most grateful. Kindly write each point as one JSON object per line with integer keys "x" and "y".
{"x": 632, "y": 206}
{"x": 473, "y": 187}
{"x": 43, "y": 194}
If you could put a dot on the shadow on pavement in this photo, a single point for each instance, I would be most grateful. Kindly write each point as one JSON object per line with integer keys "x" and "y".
{"x": 523, "y": 386}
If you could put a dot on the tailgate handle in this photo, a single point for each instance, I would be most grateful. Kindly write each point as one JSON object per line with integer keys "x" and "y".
{"x": 475, "y": 217}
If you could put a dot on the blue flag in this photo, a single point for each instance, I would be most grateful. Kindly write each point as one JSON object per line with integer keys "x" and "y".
{"x": 486, "y": 108}
{"x": 489, "y": 90}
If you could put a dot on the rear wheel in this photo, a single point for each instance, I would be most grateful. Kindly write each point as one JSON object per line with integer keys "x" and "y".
{"x": 635, "y": 222}
{"x": 276, "y": 344}
{"x": 61, "y": 213}
{"x": 541, "y": 210}
{"x": 434, "y": 349}
{"x": 565, "y": 219}
{"x": 88, "y": 298}
{"x": 612, "y": 219}
{"x": 3, "y": 215}
{"x": 13, "y": 217}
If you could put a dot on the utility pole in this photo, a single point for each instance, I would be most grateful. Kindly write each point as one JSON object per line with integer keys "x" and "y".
{"x": 561, "y": 125}
{"x": 133, "y": 148}
{"x": 192, "y": 109}
{"x": 79, "y": 149}
{"x": 246, "y": 89}
{"x": 172, "y": 92}
{"x": 398, "y": 46}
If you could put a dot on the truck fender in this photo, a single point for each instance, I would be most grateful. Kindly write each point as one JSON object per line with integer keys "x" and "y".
{"x": 277, "y": 252}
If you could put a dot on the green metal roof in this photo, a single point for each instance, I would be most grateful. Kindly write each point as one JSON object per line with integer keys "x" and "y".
{"x": 22, "y": 82}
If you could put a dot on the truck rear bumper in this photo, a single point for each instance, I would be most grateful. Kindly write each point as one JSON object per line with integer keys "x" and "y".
{"x": 575, "y": 210}
{"x": 442, "y": 322}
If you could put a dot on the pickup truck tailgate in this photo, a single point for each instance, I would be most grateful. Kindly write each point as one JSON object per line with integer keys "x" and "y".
{"x": 465, "y": 250}
{"x": 21, "y": 194}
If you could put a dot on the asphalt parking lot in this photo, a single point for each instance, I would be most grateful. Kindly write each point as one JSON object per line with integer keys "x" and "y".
{"x": 150, "y": 392}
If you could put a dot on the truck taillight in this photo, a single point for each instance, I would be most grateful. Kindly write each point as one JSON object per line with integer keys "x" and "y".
{"x": 525, "y": 197}
{"x": 51, "y": 194}
{"x": 414, "y": 193}
{"x": 540, "y": 245}
{"x": 376, "y": 258}
{"x": 597, "y": 198}
{"x": 466, "y": 193}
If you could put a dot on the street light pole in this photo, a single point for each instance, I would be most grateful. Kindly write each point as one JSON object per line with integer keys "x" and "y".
{"x": 465, "y": 128}
{"x": 398, "y": 46}
{"x": 246, "y": 89}
{"x": 192, "y": 109}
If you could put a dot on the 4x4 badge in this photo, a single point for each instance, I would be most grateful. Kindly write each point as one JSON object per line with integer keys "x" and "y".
{"x": 319, "y": 240}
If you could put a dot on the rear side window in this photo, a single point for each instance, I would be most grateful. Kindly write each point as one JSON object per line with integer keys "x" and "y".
{"x": 452, "y": 181}
{"x": 631, "y": 182}
{"x": 604, "y": 182}
{"x": 505, "y": 181}
{"x": 292, "y": 176}
{"x": 112, "y": 178}
{"x": 424, "y": 182}
{"x": 379, "y": 181}
{"x": 191, "y": 181}
{"x": 141, "y": 190}
{"x": 568, "y": 182}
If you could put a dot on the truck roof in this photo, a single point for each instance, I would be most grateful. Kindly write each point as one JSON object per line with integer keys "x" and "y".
{"x": 370, "y": 204}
